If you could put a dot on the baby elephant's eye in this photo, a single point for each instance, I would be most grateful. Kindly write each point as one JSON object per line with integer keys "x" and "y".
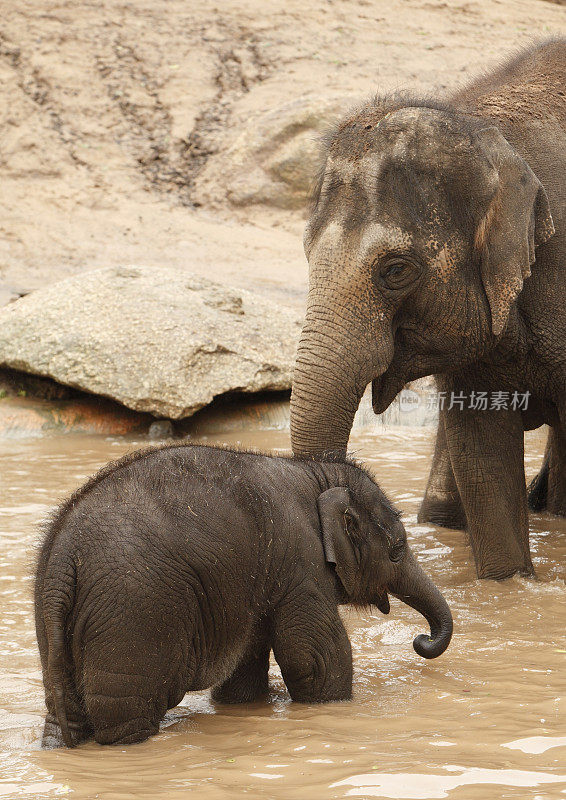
{"x": 397, "y": 551}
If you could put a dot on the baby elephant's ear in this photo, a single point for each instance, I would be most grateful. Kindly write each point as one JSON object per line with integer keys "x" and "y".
{"x": 338, "y": 549}
{"x": 516, "y": 222}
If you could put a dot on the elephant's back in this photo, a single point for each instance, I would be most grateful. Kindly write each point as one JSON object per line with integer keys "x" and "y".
{"x": 526, "y": 100}
{"x": 529, "y": 86}
{"x": 144, "y": 489}
{"x": 176, "y": 525}
{"x": 162, "y": 517}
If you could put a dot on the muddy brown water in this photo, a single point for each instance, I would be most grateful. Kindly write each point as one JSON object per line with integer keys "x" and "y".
{"x": 486, "y": 720}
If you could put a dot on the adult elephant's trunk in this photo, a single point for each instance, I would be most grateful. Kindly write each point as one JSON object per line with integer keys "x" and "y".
{"x": 325, "y": 395}
{"x": 413, "y": 586}
{"x": 336, "y": 360}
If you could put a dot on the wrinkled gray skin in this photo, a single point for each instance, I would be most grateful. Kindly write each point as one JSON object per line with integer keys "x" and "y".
{"x": 437, "y": 245}
{"x": 181, "y": 568}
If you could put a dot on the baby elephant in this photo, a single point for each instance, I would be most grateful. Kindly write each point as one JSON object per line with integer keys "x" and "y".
{"x": 182, "y": 567}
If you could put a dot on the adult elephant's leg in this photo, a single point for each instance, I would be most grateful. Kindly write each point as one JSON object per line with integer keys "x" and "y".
{"x": 312, "y": 648}
{"x": 547, "y": 491}
{"x": 556, "y": 454}
{"x": 249, "y": 682}
{"x": 537, "y": 490}
{"x": 487, "y": 454}
{"x": 442, "y": 504}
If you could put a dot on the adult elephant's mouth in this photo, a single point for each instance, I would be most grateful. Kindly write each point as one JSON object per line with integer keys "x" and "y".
{"x": 386, "y": 387}
{"x": 384, "y": 390}
{"x": 406, "y": 366}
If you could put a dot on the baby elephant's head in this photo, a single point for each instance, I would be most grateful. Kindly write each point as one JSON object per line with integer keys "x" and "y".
{"x": 365, "y": 540}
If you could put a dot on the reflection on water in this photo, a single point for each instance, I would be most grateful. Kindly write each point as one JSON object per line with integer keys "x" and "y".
{"x": 486, "y": 720}
{"x": 427, "y": 786}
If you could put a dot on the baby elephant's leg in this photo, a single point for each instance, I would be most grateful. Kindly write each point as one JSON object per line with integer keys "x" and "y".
{"x": 249, "y": 681}
{"x": 122, "y": 708}
{"x": 312, "y": 648}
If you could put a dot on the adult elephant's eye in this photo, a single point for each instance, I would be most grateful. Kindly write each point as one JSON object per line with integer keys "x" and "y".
{"x": 398, "y": 273}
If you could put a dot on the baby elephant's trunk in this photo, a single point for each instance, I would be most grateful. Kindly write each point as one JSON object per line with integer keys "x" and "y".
{"x": 415, "y": 588}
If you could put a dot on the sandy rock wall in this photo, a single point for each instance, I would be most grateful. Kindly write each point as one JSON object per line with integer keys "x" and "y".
{"x": 148, "y": 133}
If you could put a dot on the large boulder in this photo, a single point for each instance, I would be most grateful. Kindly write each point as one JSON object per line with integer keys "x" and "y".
{"x": 154, "y": 339}
{"x": 274, "y": 159}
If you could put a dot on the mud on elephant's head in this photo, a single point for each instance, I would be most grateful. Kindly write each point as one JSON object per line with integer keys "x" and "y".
{"x": 423, "y": 228}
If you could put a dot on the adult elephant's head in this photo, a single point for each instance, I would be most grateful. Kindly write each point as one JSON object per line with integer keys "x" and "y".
{"x": 423, "y": 228}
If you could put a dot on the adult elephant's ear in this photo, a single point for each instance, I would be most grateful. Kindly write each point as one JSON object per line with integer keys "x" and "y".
{"x": 518, "y": 220}
{"x": 333, "y": 508}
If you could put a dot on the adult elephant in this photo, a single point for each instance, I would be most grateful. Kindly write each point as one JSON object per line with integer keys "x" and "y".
{"x": 437, "y": 245}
